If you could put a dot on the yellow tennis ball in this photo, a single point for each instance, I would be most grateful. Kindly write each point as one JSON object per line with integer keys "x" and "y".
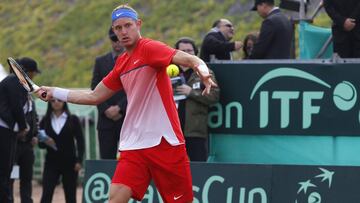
{"x": 172, "y": 70}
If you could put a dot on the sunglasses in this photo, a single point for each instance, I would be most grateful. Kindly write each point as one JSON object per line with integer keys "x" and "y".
{"x": 114, "y": 38}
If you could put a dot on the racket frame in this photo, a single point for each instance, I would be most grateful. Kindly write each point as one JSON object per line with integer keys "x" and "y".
{"x": 13, "y": 64}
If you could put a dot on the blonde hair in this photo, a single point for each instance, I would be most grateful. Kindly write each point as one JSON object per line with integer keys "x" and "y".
{"x": 125, "y": 6}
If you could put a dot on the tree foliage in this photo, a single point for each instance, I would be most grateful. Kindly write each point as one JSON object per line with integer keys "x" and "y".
{"x": 65, "y": 36}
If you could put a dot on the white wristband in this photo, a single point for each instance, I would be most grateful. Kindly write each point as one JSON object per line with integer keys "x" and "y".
{"x": 203, "y": 68}
{"x": 61, "y": 94}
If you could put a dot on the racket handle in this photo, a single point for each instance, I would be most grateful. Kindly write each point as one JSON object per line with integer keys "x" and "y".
{"x": 43, "y": 95}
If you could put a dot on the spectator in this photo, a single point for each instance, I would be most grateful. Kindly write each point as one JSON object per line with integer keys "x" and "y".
{"x": 276, "y": 33}
{"x": 151, "y": 141}
{"x": 65, "y": 160}
{"x": 216, "y": 44}
{"x": 346, "y": 27}
{"x": 24, "y": 156}
{"x": 3, "y": 73}
{"x": 249, "y": 42}
{"x": 13, "y": 107}
{"x": 111, "y": 111}
{"x": 193, "y": 111}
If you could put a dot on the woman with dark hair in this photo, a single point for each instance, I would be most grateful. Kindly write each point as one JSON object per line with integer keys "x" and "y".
{"x": 65, "y": 160}
{"x": 249, "y": 42}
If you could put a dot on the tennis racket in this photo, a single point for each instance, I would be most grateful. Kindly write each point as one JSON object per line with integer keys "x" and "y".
{"x": 24, "y": 79}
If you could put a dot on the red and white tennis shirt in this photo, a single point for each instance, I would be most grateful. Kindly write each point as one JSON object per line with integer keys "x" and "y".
{"x": 151, "y": 112}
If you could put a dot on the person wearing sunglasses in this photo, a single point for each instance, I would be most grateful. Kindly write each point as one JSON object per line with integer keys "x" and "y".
{"x": 112, "y": 111}
{"x": 64, "y": 130}
{"x": 217, "y": 43}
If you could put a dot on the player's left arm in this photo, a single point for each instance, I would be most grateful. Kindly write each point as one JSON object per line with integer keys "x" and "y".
{"x": 188, "y": 60}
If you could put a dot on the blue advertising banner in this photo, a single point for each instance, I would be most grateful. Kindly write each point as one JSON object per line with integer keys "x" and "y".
{"x": 286, "y": 98}
{"x": 237, "y": 183}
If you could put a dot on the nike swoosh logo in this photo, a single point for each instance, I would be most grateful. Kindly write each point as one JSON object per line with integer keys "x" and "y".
{"x": 118, "y": 14}
{"x": 135, "y": 62}
{"x": 177, "y": 197}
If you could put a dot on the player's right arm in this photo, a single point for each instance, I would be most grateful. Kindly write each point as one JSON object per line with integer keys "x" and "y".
{"x": 89, "y": 97}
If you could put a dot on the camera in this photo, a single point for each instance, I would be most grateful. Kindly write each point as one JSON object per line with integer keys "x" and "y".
{"x": 175, "y": 82}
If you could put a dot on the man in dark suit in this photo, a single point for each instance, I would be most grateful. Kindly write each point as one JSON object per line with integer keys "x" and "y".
{"x": 112, "y": 111}
{"x": 216, "y": 44}
{"x": 14, "y": 105}
{"x": 346, "y": 27}
{"x": 24, "y": 156}
{"x": 276, "y": 32}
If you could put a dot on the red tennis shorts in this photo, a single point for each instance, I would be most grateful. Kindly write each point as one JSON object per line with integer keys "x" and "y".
{"x": 167, "y": 165}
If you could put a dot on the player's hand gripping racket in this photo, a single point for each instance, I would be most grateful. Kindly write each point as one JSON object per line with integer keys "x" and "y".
{"x": 24, "y": 79}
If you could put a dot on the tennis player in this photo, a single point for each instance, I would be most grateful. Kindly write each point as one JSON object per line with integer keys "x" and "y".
{"x": 151, "y": 141}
